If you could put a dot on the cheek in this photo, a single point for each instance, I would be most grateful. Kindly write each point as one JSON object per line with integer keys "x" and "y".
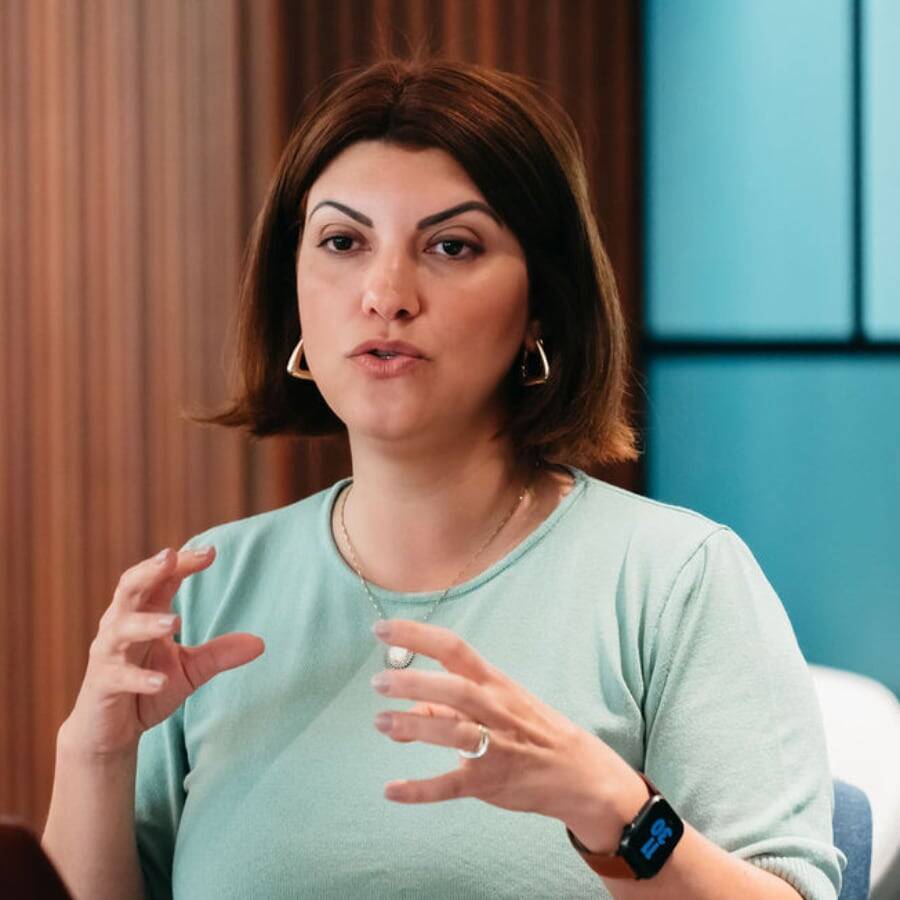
{"x": 496, "y": 314}
{"x": 483, "y": 347}
{"x": 316, "y": 300}
{"x": 312, "y": 280}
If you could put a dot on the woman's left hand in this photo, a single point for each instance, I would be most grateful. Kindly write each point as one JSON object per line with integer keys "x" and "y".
{"x": 538, "y": 760}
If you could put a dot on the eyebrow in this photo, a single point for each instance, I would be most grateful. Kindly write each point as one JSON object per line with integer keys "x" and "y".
{"x": 433, "y": 219}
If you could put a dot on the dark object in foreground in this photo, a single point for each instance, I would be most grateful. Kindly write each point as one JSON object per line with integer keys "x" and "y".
{"x": 26, "y": 872}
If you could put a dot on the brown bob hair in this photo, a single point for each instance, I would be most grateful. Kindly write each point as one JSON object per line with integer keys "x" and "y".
{"x": 522, "y": 151}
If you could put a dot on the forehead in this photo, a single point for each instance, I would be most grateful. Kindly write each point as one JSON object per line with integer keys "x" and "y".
{"x": 376, "y": 168}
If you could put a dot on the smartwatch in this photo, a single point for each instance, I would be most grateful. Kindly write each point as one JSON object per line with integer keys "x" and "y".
{"x": 646, "y": 843}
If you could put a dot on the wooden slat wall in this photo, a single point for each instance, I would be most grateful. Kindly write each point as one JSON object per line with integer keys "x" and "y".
{"x": 136, "y": 142}
{"x": 136, "y": 139}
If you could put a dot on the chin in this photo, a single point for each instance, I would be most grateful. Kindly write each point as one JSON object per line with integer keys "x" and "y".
{"x": 382, "y": 423}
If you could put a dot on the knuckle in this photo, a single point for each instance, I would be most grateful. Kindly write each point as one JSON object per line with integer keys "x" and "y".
{"x": 461, "y": 735}
{"x": 400, "y": 727}
{"x": 455, "y": 789}
{"x": 126, "y": 581}
{"x": 106, "y": 640}
{"x": 466, "y": 690}
{"x": 111, "y": 633}
{"x": 95, "y": 651}
{"x": 111, "y": 618}
{"x": 136, "y": 580}
{"x": 456, "y": 648}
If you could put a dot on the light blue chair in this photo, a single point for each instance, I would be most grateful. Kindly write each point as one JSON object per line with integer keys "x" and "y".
{"x": 852, "y": 825}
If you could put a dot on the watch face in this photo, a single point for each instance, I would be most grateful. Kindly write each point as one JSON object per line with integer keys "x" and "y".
{"x": 652, "y": 838}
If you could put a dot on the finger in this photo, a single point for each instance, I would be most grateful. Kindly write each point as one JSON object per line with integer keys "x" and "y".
{"x": 439, "y": 643}
{"x": 434, "y": 709}
{"x": 444, "y": 731}
{"x": 192, "y": 559}
{"x": 504, "y": 702}
{"x": 226, "y": 652}
{"x": 460, "y": 694}
{"x": 149, "y": 576}
{"x": 449, "y": 786}
{"x": 124, "y": 678}
{"x": 129, "y": 628}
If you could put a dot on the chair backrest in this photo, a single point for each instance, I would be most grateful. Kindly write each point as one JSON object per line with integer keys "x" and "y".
{"x": 852, "y": 825}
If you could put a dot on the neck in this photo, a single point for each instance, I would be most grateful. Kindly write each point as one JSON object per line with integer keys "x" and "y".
{"x": 414, "y": 523}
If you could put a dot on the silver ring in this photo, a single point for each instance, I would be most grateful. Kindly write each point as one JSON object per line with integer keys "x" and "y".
{"x": 482, "y": 747}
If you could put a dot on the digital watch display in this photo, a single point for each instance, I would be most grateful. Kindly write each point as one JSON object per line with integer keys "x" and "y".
{"x": 650, "y": 839}
{"x": 646, "y": 843}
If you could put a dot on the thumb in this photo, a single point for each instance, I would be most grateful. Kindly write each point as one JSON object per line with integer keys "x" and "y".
{"x": 226, "y": 652}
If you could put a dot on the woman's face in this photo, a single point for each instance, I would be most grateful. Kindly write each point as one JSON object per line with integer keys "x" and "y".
{"x": 393, "y": 265}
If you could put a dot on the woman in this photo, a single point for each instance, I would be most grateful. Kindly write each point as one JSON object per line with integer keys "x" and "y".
{"x": 594, "y": 673}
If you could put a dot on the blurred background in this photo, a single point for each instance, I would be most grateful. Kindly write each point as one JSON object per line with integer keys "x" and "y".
{"x": 744, "y": 161}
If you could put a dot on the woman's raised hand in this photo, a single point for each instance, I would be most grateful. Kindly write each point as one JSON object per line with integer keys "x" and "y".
{"x": 538, "y": 760}
{"x": 137, "y": 675}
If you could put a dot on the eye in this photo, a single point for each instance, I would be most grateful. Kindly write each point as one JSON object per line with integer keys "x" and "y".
{"x": 453, "y": 247}
{"x": 475, "y": 249}
{"x": 337, "y": 237}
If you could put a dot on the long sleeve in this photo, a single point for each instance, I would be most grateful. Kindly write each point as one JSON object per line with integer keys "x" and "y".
{"x": 734, "y": 735}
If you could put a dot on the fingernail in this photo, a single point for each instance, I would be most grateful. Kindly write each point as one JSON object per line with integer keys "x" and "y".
{"x": 380, "y": 681}
{"x": 166, "y": 621}
{"x": 162, "y": 556}
{"x": 381, "y": 628}
{"x": 201, "y": 553}
{"x": 156, "y": 680}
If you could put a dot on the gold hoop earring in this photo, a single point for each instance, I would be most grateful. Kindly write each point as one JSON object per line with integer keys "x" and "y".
{"x": 293, "y": 365}
{"x": 527, "y": 381}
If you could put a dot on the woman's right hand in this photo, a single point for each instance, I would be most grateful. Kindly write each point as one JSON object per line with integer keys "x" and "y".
{"x": 118, "y": 699}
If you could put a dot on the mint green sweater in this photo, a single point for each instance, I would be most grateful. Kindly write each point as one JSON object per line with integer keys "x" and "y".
{"x": 647, "y": 624}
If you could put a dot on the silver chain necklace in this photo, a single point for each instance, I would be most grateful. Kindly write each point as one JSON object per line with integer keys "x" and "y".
{"x": 400, "y": 657}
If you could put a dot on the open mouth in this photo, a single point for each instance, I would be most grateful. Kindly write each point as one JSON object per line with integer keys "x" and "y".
{"x": 383, "y": 364}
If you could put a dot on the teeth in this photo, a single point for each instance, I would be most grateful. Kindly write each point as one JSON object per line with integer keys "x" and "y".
{"x": 382, "y": 355}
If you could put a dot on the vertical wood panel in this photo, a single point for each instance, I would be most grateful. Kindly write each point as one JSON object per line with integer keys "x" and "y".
{"x": 164, "y": 140}
{"x": 6, "y": 460}
{"x": 95, "y": 357}
{"x": 17, "y": 782}
{"x": 136, "y": 145}
{"x": 222, "y": 454}
{"x": 270, "y": 465}
{"x": 125, "y": 375}
{"x": 47, "y": 370}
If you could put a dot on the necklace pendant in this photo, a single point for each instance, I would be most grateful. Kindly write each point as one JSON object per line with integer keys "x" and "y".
{"x": 398, "y": 657}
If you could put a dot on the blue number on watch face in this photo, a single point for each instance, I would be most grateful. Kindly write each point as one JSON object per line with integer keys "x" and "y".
{"x": 660, "y": 833}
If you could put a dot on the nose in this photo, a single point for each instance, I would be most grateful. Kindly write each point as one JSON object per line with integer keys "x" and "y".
{"x": 391, "y": 290}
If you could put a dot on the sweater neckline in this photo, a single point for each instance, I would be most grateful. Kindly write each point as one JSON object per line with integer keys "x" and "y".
{"x": 348, "y": 577}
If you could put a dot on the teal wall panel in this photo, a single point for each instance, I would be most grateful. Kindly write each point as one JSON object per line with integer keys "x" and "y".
{"x": 749, "y": 175}
{"x": 801, "y": 457}
{"x": 881, "y": 168}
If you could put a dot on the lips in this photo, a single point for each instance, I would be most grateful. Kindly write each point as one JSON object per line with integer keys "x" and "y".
{"x": 397, "y": 348}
